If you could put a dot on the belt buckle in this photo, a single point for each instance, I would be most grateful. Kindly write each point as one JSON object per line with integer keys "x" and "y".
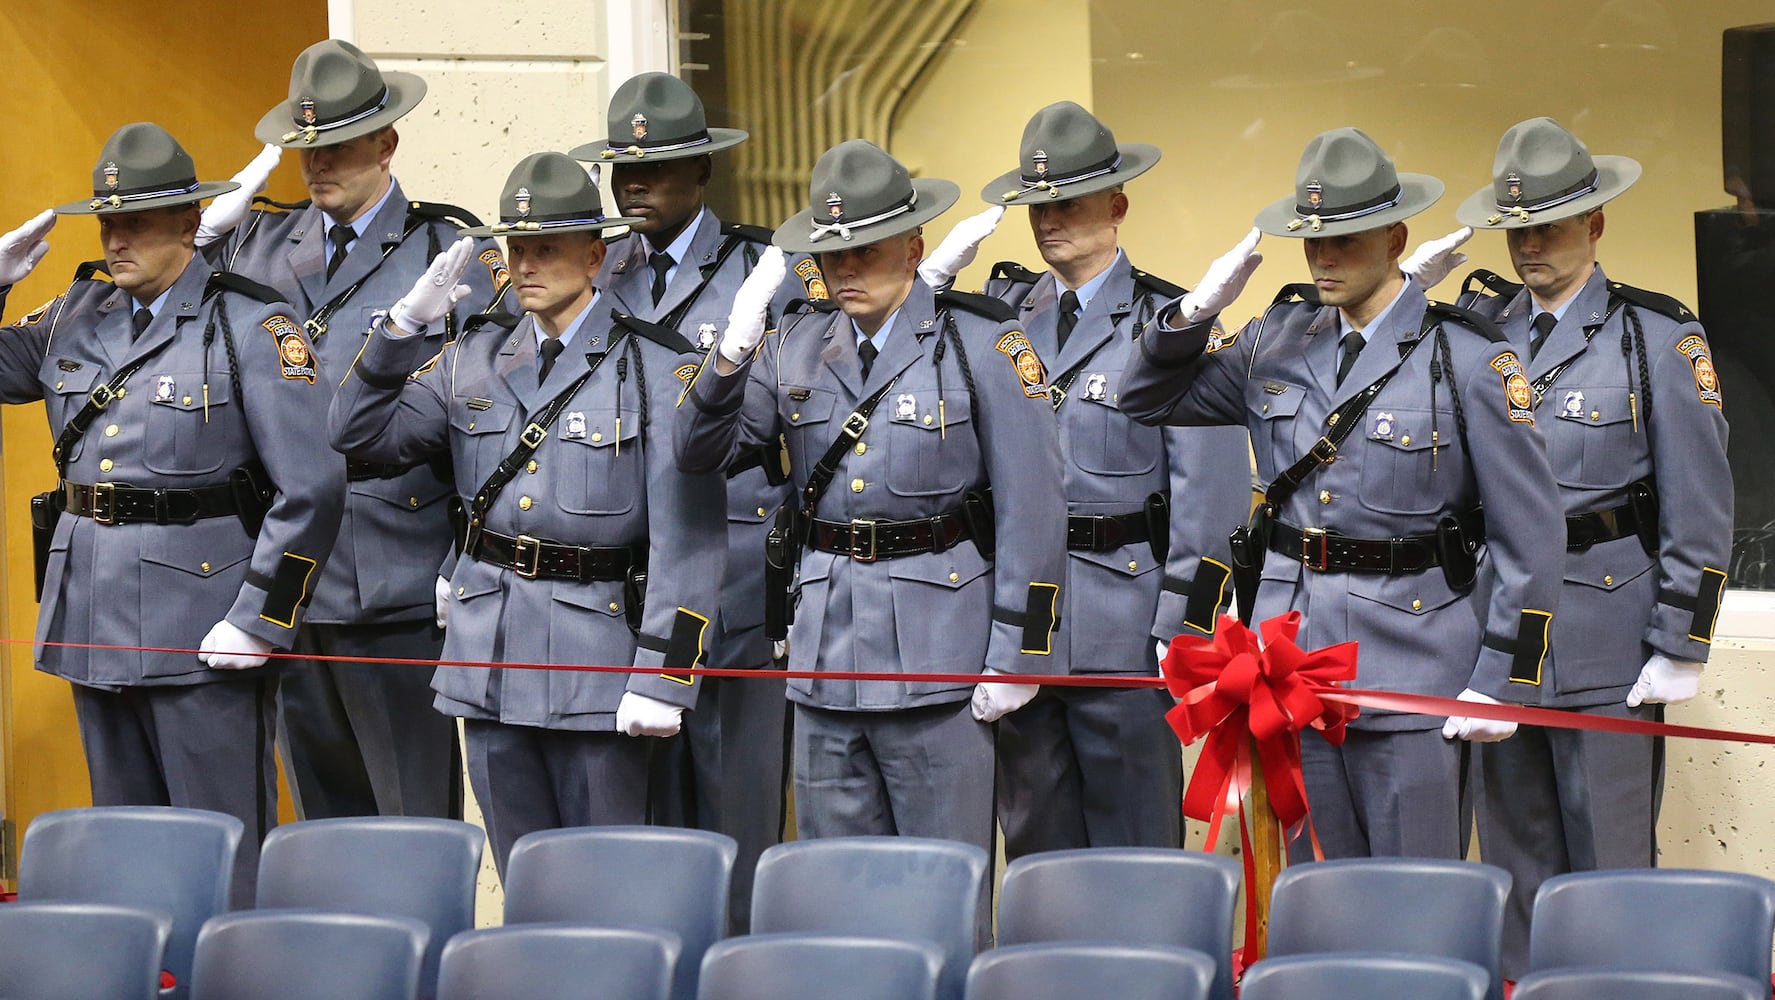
{"x": 532, "y": 545}
{"x": 1324, "y": 451}
{"x": 1309, "y": 537}
{"x": 104, "y": 503}
{"x": 102, "y": 396}
{"x": 855, "y": 425}
{"x": 316, "y": 329}
{"x": 534, "y": 435}
{"x": 859, "y": 553}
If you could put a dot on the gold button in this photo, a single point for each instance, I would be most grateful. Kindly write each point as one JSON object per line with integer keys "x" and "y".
{"x": 596, "y": 437}
{"x": 1133, "y": 564}
{"x": 795, "y": 416}
{"x": 613, "y": 605}
{"x": 461, "y": 590}
{"x": 954, "y": 577}
{"x": 524, "y": 503}
{"x": 1266, "y": 407}
{"x": 105, "y": 465}
{"x": 471, "y": 425}
{"x": 111, "y": 431}
{"x": 412, "y": 501}
{"x": 205, "y": 567}
{"x": 58, "y": 383}
{"x": 1608, "y": 581}
{"x": 1596, "y": 414}
{"x": 1324, "y": 496}
{"x": 1417, "y": 605}
{"x": 187, "y": 400}
{"x": 856, "y": 486}
{"x": 530, "y": 467}
{"x": 927, "y": 420}
{"x": 1331, "y": 421}
{"x": 761, "y": 512}
{"x": 1405, "y": 441}
{"x": 861, "y": 447}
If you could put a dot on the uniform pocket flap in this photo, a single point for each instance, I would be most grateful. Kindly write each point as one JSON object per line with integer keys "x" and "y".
{"x": 493, "y": 419}
{"x": 1592, "y": 406}
{"x": 203, "y": 549}
{"x": 1278, "y": 399}
{"x": 600, "y": 429}
{"x": 602, "y": 596}
{"x": 78, "y": 381}
{"x": 925, "y": 411}
{"x": 1414, "y": 594}
{"x": 808, "y": 406}
{"x": 1134, "y": 560}
{"x": 1609, "y": 565}
{"x": 415, "y": 489}
{"x": 952, "y": 569}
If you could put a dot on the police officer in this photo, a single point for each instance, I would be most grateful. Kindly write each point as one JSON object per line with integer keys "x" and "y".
{"x": 1424, "y": 409}
{"x": 1100, "y": 767}
{"x": 196, "y": 505}
{"x": 585, "y": 544}
{"x": 1628, "y": 402}
{"x": 902, "y": 410}
{"x": 680, "y": 266}
{"x": 360, "y": 738}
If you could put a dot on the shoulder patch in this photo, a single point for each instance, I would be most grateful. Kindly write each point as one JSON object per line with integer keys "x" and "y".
{"x": 1707, "y": 379}
{"x": 756, "y": 234}
{"x": 982, "y": 305}
{"x": 808, "y": 270}
{"x": 1219, "y": 338}
{"x": 229, "y": 281}
{"x": 664, "y": 336}
{"x": 687, "y": 372}
{"x": 1158, "y": 286}
{"x": 495, "y": 262}
{"x": 1015, "y": 345}
{"x": 1661, "y": 304}
{"x": 292, "y": 348}
{"x": 1518, "y": 397}
{"x": 461, "y": 218}
{"x": 36, "y": 315}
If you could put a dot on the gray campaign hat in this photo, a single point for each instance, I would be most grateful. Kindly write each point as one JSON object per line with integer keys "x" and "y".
{"x": 1544, "y": 173}
{"x": 656, "y": 116}
{"x": 141, "y": 167}
{"x": 859, "y": 195}
{"x": 337, "y": 93}
{"x": 549, "y": 193}
{"x": 1347, "y": 184}
{"x": 1067, "y": 152}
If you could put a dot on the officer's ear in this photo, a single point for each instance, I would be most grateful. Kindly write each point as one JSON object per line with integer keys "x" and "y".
{"x": 189, "y": 217}
{"x": 1595, "y": 222}
{"x": 1397, "y": 234}
{"x": 915, "y": 250}
{"x": 1118, "y": 206}
{"x": 596, "y": 248}
{"x": 387, "y": 140}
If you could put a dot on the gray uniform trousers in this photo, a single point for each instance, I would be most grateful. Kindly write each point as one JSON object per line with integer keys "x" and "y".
{"x": 1100, "y": 767}
{"x": 1407, "y": 465}
{"x": 362, "y": 739}
{"x": 225, "y": 383}
{"x": 1552, "y": 801}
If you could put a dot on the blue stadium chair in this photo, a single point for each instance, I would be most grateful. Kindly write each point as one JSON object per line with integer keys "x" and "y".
{"x": 638, "y": 877}
{"x": 308, "y": 955}
{"x": 1364, "y": 975}
{"x": 1618, "y": 984}
{"x": 387, "y": 866}
{"x": 174, "y": 861}
{"x": 1071, "y": 971}
{"x": 1663, "y": 919}
{"x": 818, "y": 967}
{"x": 81, "y": 951}
{"x": 1412, "y": 906}
{"x": 557, "y": 962}
{"x": 894, "y": 887}
{"x": 1128, "y": 895}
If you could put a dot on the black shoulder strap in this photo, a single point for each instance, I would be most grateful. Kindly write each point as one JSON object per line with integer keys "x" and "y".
{"x": 222, "y": 281}
{"x": 265, "y": 204}
{"x": 1482, "y": 281}
{"x": 1155, "y": 285}
{"x": 492, "y": 317}
{"x": 665, "y": 336}
{"x": 1010, "y": 270}
{"x": 734, "y": 238}
{"x": 317, "y": 323}
{"x": 1661, "y": 304}
{"x": 1012, "y": 283}
{"x": 461, "y": 218}
{"x": 96, "y": 402}
{"x": 853, "y": 427}
{"x": 1436, "y": 312}
{"x": 756, "y": 234}
{"x": 1304, "y": 292}
{"x": 984, "y": 305}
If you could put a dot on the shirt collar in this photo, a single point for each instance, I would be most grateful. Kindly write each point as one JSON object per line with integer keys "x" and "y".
{"x": 159, "y": 300}
{"x": 1381, "y": 317}
{"x": 362, "y": 224}
{"x": 881, "y": 335}
{"x": 1088, "y": 291}
{"x": 572, "y": 330}
{"x": 680, "y": 247}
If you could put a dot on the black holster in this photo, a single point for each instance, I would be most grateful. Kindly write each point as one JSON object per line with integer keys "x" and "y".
{"x": 1249, "y": 543}
{"x": 634, "y": 595}
{"x": 782, "y": 550}
{"x": 253, "y": 494}
{"x": 1643, "y": 496}
{"x": 1158, "y": 525}
{"x": 46, "y": 510}
{"x": 1457, "y": 550}
{"x": 976, "y": 510}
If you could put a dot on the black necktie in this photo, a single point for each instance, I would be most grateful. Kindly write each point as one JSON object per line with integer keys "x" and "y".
{"x": 1069, "y": 316}
{"x": 141, "y": 319}
{"x": 1544, "y": 325}
{"x": 661, "y": 262}
{"x": 1353, "y": 342}
{"x": 340, "y": 237}
{"x": 866, "y": 352}
{"x": 551, "y": 349}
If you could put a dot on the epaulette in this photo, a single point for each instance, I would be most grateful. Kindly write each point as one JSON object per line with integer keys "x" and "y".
{"x": 1010, "y": 270}
{"x": 1164, "y": 289}
{"x": 664, "y": 336}
{"x": 1440, "y": 311}
{"x": 494, "y": 317}
{"x": 87, "y": 270}
{"x": 1490, "y": 281}
{"x": 265, "y": 204}
{"x": 229, "y": 281}
{"x": 1304, "y": 292}
{"x": 983, "y": 305}
{"x": 756, "y": 234}
{"x": 1662, "y": 304}
{"x": 461, "y": 218}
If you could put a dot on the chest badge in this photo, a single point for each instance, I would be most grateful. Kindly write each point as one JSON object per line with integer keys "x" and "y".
{"x": 705, "y": 336}
{"x": 1572, "y": 408}
{"x": 164, "y": 388}
{"x": 905, "y": 406}
{"x": 576, "y": 425}
{"x": 1096, "y": 384}
{"x": 1382, "y": 427}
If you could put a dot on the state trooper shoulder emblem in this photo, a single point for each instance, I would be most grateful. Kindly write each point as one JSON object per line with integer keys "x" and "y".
{"x": 292, "y": 350}
{"x": 1219, "y": 338}
{"x": 1382, "y": 427}
{"x": 1028, "y": 364}
{"x": 1707, "y": 379}
{"x": 1518, "y": 398}
{"x": 905, "y": 406}
{"x": 496, "y": 270}
{"x": 809, "y": 273}
{"x": 1096, "y": 384}
{"x": 705, "y": 336}
{"x": 36, "y": 315}
{"x": 1573, "y": 406}
{"x": 164, "y": 388}
{"x": 576, "y": 425}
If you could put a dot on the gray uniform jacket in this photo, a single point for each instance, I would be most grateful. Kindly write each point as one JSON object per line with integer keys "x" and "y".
{"x": 1112, "y": 465}
{"x": 1405, "y": 467}
{"x": 604, "y": 476}
{"x": 1606, "y": 428}
{"x": 701, "y": 292}
{"x": 181, "y": 423}
{"x": 938, "y": 435}
{"x": 396, "y": 528}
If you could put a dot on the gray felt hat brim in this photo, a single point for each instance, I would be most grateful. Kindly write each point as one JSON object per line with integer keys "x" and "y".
{"x": 1137, "y": 159}
{"x": 602, "y": 152}
{"x": 1614, "y": 175}
{"x": 103, "y": 206}
{"x": 1416, "y": 193}
{"x": 511, "y": 228}
{"x": 278, "y": 127}
{"x": 935, "y": 197}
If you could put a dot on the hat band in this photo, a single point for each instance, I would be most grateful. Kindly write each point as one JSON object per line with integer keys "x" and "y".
{"x": 1578, "y": 190}
{"x": 117, "y": 199}
{"x": 614, "y": 150}
{"x": 843, "y": 228}
{"x": 1316, "y": 219}
{"x": 542, "y": 225}
{"x": 308, "y": 132}
{"x": 1052, "y": 185}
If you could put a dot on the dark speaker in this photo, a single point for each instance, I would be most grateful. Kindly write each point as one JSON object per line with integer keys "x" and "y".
{"x": 1747, "y": 106}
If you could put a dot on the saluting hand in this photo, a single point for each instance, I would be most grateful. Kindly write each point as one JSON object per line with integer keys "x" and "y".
{"x": 226, "y": 211}
{"x": 21, "y": 249}
{"x": 436, "y": 291}
{"x": 959, "y": 248}
{"x": 1433, "y": 261}
{"x": 1223, "y": 282}
{"x": 751, "y": 308}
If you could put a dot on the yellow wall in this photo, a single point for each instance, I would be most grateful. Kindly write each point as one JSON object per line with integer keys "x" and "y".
{"x": 205, "y": 69}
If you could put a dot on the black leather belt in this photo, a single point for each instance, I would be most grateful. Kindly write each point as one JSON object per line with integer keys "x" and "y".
{"x": 867, "y": 540}
{"x": 108, "y": 503}
{"x": 1585, "y": 530}
{"x": 1319, "y": 550}
{"x": 538, "y": 559}
{"x": 1103, "y": 532}
{"x": 358, "y": 471}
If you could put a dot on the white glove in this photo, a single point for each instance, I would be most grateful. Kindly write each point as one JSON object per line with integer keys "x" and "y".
{"x": 226, "y": 647}
{"x": 21, "y": 249}
{"x": 957, "y": 250}
{"x": 1433, "y": 261}
{"x": 639, "y": 715}
{"x": 751, "y": 307}
{"x": 1223, "y": 282}
{"x": 1164, "y": 647}
{"x": 435, "y": 291}
{"x": 440, "y": 601}
{"x": 1477, "y": 730}
{"x": 779, "y": 649}
{"x": 226, "y": 211}
{"x": 995, "y": 701}
{"x": 1665, "y": 681}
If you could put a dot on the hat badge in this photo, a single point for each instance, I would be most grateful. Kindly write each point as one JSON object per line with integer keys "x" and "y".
{"x": 110, "y": 176}
{"x": 639, "y": 125}
{"x": 1039, "y": 160}
{"x": 835, "y": 206}
{"x": 1513, "y": 184}
{"x": 306, "y": 105}
{"x": 1315, "y": 194}
{"x": 522, "y": 197}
